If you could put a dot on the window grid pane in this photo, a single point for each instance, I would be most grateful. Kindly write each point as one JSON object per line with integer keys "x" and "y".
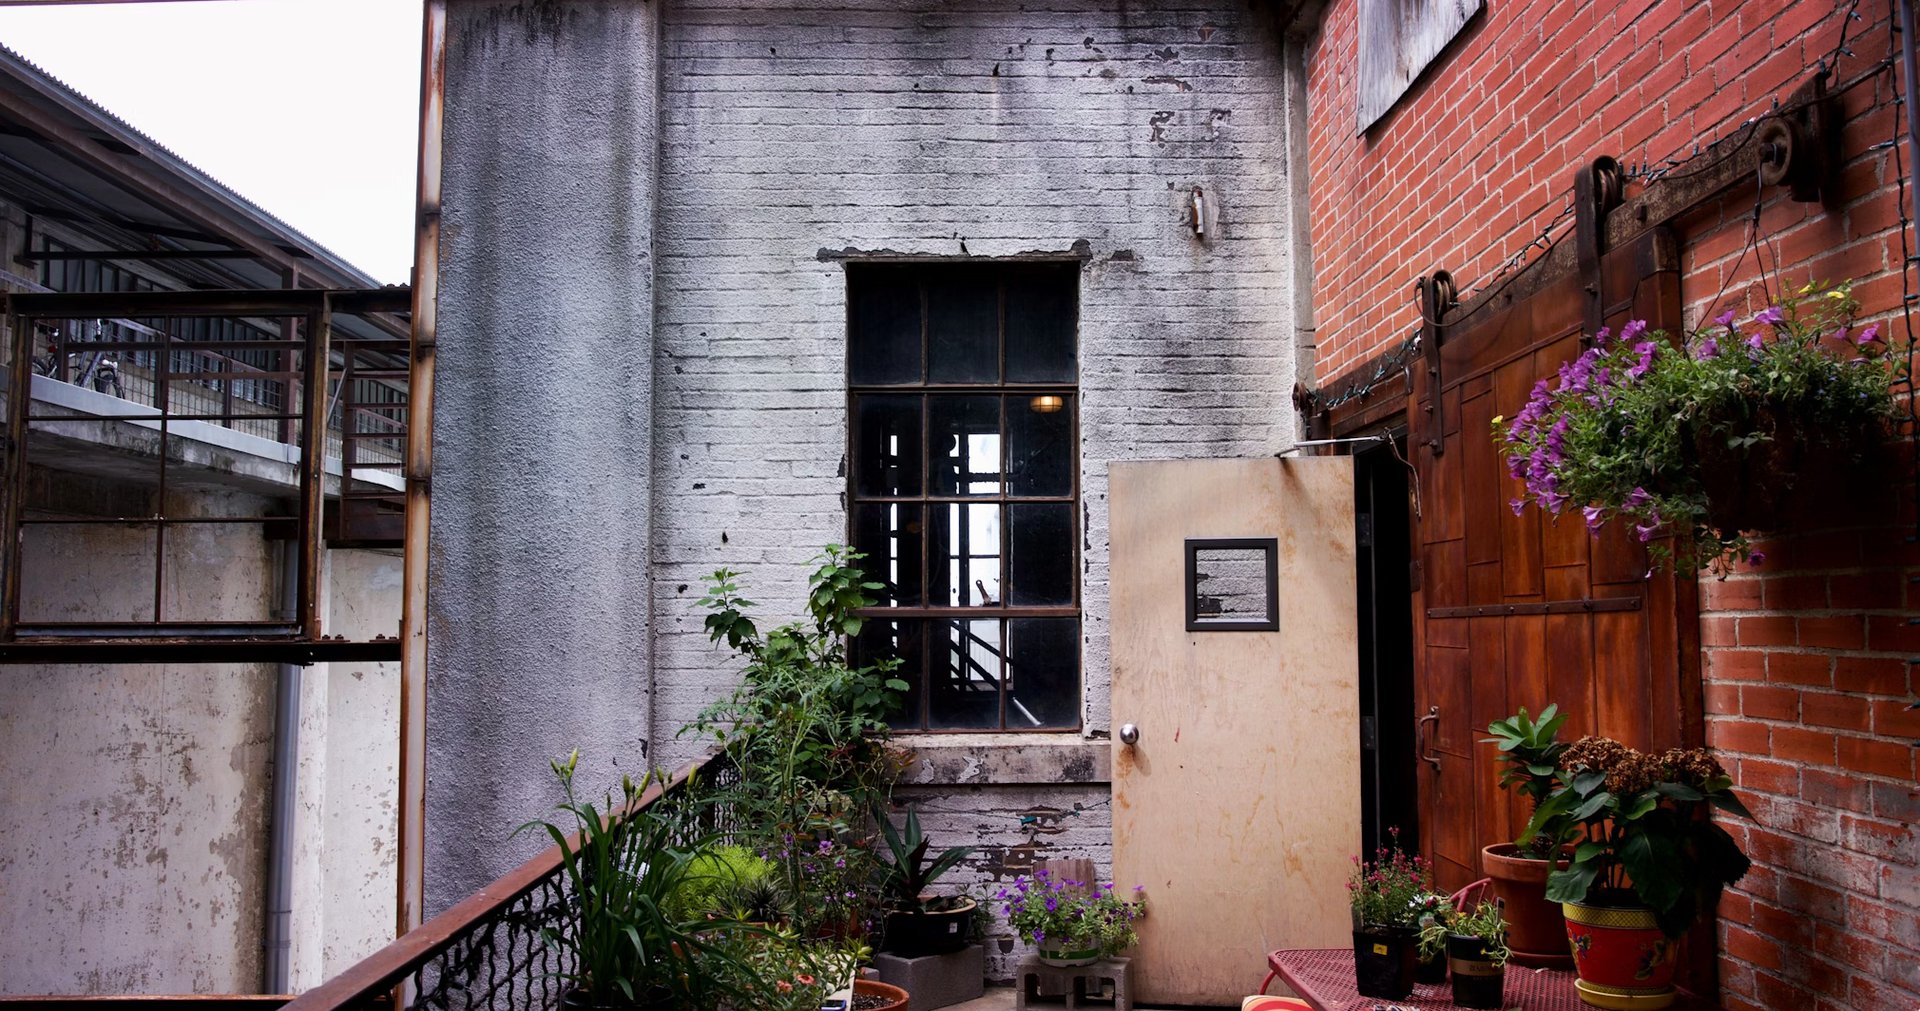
{"x": 976, "y": 537}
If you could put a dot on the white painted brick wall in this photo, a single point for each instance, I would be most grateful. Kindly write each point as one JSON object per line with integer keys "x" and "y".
{"x": 930, "y": 128}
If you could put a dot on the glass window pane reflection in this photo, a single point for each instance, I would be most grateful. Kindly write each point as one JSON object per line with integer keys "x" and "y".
{"x": 965, "y": 453}
{"x": 1043, "y": 673}
{"x": 963, "y": 676}
{"x": 963, "y": 554}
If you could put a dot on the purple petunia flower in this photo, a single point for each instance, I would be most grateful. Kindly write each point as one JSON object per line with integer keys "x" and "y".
{"x": 1517, "y": 505}
{"x": 1868, "y": 336}
{"x": 1725, "y": 319}
{"x": 1632, "y": 330}
{"x": 1756, "y": 558}
{"x": 1635, "y": 499}
{"x": 1706, "y": 349}
{"x": 1645, "y": 350}
{"x": 1771, "y": 315}
{"x": 1596, "y": 516}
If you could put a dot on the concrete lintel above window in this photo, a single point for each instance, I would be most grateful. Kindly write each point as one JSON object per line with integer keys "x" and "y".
{"x": 1005, "y": 759}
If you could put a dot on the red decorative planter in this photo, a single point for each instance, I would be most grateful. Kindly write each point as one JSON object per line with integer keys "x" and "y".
{"x": 1623, "y": 958}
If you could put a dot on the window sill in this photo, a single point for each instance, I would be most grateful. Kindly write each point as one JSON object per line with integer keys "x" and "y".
{"x": 1004, "y": 759}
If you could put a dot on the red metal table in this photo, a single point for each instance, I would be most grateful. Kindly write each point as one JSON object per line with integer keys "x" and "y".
{"x": 1323, "y": 977}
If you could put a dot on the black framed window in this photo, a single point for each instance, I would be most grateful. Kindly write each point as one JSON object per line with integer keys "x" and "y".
{"x": 964, "y": 483}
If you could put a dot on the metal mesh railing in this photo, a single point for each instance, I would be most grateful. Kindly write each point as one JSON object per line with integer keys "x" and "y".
{"x": 491, "y": 951}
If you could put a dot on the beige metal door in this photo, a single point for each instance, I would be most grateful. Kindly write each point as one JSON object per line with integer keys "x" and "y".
{"x": 1237, "y": 806}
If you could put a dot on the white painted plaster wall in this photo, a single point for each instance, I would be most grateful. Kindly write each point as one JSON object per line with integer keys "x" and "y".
{"x": 133, "y": 809}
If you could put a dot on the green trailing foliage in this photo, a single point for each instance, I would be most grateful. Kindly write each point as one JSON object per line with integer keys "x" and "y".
{"x": 1672, "y": 435}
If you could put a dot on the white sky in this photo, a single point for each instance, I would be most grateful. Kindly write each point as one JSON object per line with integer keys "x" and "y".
{"x": 308, "y": 108}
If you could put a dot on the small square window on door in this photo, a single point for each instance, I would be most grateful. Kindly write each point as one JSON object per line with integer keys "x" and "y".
{"x": 1233, "y": 584}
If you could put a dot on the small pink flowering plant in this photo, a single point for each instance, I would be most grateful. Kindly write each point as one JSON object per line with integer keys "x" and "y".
{"x": 1049, "y": 912}
{"x": 1624, "y": 429}
{"x": 1392, "y": 889}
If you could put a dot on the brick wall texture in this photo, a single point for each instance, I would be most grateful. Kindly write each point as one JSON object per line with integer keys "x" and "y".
{"x": 985, "y": 128}
{"x": 936, "y": 129}
{"x": 1806, "y": 658}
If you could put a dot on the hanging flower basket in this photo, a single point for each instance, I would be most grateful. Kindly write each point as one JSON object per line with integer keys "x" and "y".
{"x": 1709, "y": 437}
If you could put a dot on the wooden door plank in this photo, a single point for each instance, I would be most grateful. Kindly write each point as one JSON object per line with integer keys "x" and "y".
{"x": 1487, "y": 665}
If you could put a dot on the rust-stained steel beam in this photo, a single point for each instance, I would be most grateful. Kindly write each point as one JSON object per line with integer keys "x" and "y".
{"x": 12, "y": 497}
{"x": 41, "y": 255}
{"x": 231, "y": 302}
{"x": 313, "y": 461}
{"x": 410, "y": 882}
{"x": 197, "y": 650}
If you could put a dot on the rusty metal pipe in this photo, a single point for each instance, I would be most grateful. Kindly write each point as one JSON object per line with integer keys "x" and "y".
{"x": 411, "y": 879}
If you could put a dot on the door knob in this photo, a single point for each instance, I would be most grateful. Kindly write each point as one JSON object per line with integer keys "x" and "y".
{"x": 1129, "y": 734}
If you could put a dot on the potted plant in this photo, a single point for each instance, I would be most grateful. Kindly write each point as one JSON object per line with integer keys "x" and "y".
{"x": 1431, "y": 910}
{"x": 1706, "y": 436}
{"x": 806, "y": 738}
{"x": 1477, "y": 952}
{"x": 622, "y": 868}
{"x": 1071, "y": 922}
{"x": 1651, "y": 862}
{"x": 917, "y": 924}
{"x": 1530, "y": 749}
{"x": 1384, "y": 893}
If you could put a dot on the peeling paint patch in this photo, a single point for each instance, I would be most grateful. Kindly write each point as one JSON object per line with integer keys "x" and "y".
{"x": 1178, "y": 84}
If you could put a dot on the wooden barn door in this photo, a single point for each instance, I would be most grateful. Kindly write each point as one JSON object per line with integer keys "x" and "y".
{"x": 1522, "y": 610}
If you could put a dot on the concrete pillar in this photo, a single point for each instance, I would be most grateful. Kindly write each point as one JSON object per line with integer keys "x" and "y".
{"x": 539, "y": 620}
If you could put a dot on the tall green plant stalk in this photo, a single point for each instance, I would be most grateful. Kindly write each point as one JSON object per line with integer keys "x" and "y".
{"x": 623, "y": 870}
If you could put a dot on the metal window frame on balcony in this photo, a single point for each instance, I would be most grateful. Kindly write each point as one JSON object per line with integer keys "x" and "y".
{"x": 298, "y": 639}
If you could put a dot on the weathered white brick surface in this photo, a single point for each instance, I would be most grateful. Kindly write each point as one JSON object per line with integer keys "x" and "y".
{"x": 947, "y": 129}
{"x": 790, "y": 136}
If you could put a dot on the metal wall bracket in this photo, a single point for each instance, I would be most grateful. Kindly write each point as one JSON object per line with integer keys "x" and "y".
{"x": 1597, "y": 190}
{"x": 1436, "y": 297}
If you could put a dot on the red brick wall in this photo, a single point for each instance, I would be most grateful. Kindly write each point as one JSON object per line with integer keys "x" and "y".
{"x": 1807, "y": 679}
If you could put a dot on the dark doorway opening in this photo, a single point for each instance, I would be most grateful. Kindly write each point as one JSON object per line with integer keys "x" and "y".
{"x": 1384, "y": 515}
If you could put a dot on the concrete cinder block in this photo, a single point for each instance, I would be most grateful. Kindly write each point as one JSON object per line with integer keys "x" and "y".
{"x": 935, "y": 981}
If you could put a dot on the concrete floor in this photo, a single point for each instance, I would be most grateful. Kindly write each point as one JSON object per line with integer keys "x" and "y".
{"x": 997, "y": 998}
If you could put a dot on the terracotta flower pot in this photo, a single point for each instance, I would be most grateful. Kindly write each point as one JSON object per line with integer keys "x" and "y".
{"x": 1623, "y": 957}
{"x": 1536, "y": 930}
{"x": 896, "y": 997}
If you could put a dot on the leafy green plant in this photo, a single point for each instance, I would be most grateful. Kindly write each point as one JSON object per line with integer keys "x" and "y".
{"x": 785, "y": 972}
{"x": 1648, "y": 836}
{"x": 905, "y": 880}
{"x": 715, "y": 878}
{"x": 1531, "y": 749}
{"x": 1386, "y": 891}
{"x": 1485, "y": 921}
{"x": 1667, "y": 435}
{"x": 806, "y": 730}
{"x": 622, "y": 868}
{"x": 1431, "y": 910}
{"x": 1070, "y": 915}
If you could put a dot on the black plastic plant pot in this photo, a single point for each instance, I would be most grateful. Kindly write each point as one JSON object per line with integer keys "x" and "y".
{"x": 1477, "y": 981}
{"x": 1383, "y": 961}
{"x": 913, "y": 934}
{"x": 1431, "y": 971}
